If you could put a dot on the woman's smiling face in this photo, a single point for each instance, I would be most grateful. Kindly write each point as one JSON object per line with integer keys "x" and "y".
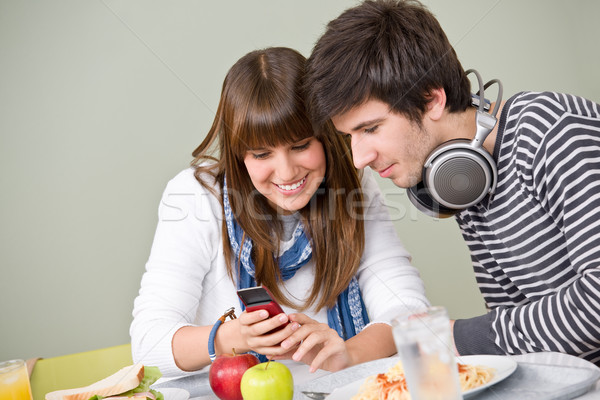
{"x": 288, "y": 175}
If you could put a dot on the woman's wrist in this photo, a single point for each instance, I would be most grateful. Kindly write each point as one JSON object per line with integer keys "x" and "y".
{"x": 354, "y": 353}
{"x": 212, "y": 353}
{"x": 229, "y": 337}
{"x": 361, "y": 349}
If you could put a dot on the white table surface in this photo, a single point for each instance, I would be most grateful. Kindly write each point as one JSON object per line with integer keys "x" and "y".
{"x": 301, "y": 374}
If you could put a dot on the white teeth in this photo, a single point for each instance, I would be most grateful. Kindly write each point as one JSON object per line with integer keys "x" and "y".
{"x": 292, "y": 187}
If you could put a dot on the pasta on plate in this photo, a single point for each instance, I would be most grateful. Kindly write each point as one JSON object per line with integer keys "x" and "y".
{"x": 392, "y": 384}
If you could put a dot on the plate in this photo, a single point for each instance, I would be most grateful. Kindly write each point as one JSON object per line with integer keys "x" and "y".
{"x": 174, "y": 393}
{"x": 503, "y": 365}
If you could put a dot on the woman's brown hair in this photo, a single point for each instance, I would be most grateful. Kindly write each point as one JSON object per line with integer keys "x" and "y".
{"x": 262, "y": 105}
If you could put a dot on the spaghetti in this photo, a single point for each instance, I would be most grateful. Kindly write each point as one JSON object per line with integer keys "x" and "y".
{"x": 392, "y": 384}
{"x": 472, "y": 376}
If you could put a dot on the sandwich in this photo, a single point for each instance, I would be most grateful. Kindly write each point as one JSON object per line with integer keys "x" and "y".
{"x": 129, "y": 383}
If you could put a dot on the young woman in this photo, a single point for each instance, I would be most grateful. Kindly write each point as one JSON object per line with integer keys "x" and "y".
{"x": 270, "y": 202}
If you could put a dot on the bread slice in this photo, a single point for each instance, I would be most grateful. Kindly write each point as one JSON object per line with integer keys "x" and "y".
{"x": 125, "y": 379}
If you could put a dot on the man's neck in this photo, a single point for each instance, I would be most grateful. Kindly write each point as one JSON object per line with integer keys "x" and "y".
{"x": 463, "y": 126}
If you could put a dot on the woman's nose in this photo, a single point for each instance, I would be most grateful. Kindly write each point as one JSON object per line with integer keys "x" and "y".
{"x": 286, "y": 168}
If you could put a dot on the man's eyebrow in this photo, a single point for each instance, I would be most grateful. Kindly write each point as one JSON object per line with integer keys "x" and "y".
{"x": 367, "y": 123}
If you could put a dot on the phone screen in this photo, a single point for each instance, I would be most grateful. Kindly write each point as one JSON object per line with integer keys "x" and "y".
{"x": 254, "y": 296}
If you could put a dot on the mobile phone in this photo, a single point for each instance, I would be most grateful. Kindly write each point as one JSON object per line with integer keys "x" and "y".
{"x": 259, "y": 298}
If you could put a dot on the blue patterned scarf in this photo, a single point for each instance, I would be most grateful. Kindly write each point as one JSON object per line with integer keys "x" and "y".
{"x": 347, "y": 317}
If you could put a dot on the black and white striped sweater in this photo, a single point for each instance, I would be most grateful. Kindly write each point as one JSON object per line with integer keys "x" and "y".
{"x": 535, "y": 244}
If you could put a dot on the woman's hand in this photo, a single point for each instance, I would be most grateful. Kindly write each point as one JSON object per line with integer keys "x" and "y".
{"x": 317, "y": 345}
{"x": 256, "y": 327}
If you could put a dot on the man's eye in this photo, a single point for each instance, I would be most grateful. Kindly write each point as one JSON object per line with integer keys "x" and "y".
{"x": 371, "y": 129}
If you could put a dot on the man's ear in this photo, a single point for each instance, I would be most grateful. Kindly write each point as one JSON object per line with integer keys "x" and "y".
{"x": 436, "y": 104}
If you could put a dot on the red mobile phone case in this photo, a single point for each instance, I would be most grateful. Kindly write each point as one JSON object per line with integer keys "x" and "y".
{"x": 259, "y": 298}
{"x": 273, "y": 308}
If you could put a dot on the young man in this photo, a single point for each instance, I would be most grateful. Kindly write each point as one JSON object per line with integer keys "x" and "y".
{"x": 386, "y": 75}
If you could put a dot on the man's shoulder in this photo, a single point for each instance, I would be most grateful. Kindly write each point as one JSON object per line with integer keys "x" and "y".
{"x": 525, "y": 102}
{"x": 530, "y": 116}
{"x": 551, "y": 105}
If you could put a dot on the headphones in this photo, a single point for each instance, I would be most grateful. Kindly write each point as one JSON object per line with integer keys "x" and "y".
{"x": 460, "y": 172}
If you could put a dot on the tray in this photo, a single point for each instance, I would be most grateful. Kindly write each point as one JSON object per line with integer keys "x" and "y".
{"x": 542, "y": 382}
{"x": 197, "y": 385}
{"x": 530, "y": 381}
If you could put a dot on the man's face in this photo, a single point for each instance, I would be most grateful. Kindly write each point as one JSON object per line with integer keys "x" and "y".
{"x": 386, "y": 141}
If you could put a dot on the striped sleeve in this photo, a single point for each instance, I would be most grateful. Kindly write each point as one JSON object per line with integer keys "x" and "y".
{"x": 541, "y": 279}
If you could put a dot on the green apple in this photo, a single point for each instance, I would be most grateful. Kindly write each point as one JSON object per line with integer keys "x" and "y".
{"x": 266, "y": 381}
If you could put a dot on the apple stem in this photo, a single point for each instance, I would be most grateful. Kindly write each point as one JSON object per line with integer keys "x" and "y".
{"x": 267, "y": 366}
{"x": 233, "y": 351}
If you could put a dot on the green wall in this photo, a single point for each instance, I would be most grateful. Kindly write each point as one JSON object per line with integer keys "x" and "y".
{"x": 101, "y": 102}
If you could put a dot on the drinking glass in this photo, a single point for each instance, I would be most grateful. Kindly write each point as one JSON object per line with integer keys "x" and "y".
{"x": 14, "y": 381}
{"x": 425, "y": 346}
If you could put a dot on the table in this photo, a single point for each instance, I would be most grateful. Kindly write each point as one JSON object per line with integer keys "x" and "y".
{"x": 199, "y": 388}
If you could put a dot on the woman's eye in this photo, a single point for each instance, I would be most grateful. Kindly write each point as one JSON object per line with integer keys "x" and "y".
{"x": 301, "y": 146}
{"x": 260, "y": 156}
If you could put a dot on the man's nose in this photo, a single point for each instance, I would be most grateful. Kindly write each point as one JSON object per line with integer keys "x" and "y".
{"x": 362, "y": 154}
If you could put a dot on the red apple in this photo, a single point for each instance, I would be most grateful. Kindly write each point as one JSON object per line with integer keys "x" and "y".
{"x": 225, "y": 374}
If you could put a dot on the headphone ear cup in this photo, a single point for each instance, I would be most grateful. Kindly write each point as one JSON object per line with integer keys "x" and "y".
{"x": 460, "y": 172}
{"x": 421, "y": 198}
{"x": 458, "y": 175}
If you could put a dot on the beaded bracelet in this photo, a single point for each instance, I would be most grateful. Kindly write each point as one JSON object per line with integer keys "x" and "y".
{"x": 211, "y": 338}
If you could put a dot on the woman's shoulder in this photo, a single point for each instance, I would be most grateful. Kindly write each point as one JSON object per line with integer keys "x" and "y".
{"x": 367, "y": 179}
{"x": 189, "y": 179}
{"x": 185, "y": 195}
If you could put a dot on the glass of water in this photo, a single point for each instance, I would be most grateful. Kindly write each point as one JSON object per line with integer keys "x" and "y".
{"x": 425, "y": 346}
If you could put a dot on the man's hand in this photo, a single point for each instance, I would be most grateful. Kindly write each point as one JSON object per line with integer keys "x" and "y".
{"x": 452, "y": 337}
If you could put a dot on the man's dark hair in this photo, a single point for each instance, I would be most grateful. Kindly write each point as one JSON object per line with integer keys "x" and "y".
{"x": 392, "y": 51}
